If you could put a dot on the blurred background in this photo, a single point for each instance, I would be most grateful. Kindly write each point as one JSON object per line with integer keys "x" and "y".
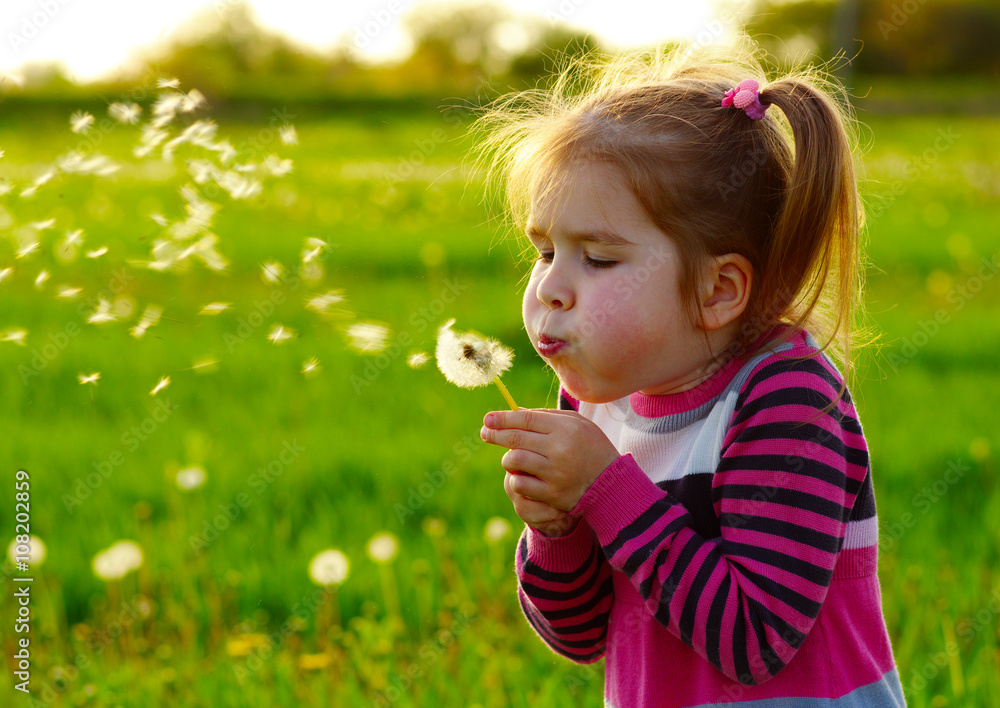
{"x": 229, "y": 232}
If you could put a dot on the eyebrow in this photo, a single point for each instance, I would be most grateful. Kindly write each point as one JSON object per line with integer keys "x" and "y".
{"x": 598, "y": 236}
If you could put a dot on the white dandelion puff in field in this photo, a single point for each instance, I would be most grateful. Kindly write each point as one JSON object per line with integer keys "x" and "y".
{"x": 119, "y": 560}
{"x": 272, "y": 272}
{"x": 280, "y": 334}
{"x": 15, "y": 336}
{"x": 469, "y": 360}
{"x": 36, "y": 552}
{"x": 68, "y": 292}
{"x": 125, "y": 112}
{"x": 417, "y": 359}
{"x": 160, "y": 385}
{"x": 41, "y": 278}
{"x": 214, "y": 308}
{"x": 103, "y": 313}
{"x": 149, "y": 318}
{"x": 383, "y": 547}
{"x": 80, "y": 122}
{"x": 89, "y": 378}
{"x": 368, "y": 337}
{"x": 190, "y": 478}
{"x": 496, "y": 529}
{"x": 97, "y": 252}
{"x": 288, "y": 135}
{"x": 311, "y": 366}
{"x": 329, "y": 568}
{"x": 324, "y": 304}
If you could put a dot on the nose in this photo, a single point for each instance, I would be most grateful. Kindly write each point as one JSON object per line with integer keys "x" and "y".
{"x": 554, "y": 289}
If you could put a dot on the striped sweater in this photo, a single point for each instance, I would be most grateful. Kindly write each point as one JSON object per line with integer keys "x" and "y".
{"x": 728, "y": 556}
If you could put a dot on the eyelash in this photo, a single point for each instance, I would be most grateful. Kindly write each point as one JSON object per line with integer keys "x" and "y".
{"x": 593, "y": 263}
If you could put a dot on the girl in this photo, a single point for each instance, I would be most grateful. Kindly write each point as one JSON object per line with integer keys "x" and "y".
{"x": 699, "y": 511}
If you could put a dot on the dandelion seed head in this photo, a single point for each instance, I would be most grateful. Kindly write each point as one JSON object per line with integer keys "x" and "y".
{"x": 160, "y": 385}
{"x": 329, "y": 568}
{"x": 36, "y": 551}
{"x": 469, "y": 360}
{"x": 190, "y": 478}
{"x": 496, "y": 529}
{"x": 80, "y": 122}
{"x": 417, "y": 359}
{"x": 368, "y": 337}
{"x": 117, "y": 561}
{"x": 89, "y": 378}
{"x": 383, "y": 547}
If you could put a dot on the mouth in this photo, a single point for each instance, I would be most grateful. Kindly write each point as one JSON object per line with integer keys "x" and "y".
{"x": 550, "y": 346}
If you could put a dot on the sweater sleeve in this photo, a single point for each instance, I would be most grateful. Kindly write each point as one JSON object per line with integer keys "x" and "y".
{"x": 564, "y": 585}
{"x": 784, "y": 488}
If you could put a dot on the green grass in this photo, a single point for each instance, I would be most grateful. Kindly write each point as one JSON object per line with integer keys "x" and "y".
{"x": 372, "y": 435}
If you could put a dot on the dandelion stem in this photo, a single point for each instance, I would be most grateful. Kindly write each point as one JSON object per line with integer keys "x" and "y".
{"x": 506, "y": 393}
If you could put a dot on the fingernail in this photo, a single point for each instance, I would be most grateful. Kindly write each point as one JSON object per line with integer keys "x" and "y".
{"x": 483, "y": 433}
{"x": 489, "y": 420}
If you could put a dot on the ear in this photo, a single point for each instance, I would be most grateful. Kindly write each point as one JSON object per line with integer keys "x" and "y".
{"x": 726, "y": 290}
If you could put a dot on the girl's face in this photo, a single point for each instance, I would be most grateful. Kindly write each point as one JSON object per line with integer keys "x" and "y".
{"x": 602, "y": 306}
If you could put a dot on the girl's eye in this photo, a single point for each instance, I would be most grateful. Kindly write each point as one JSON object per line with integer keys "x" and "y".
{"x": 543, "y": 257}
{"x": 597, "y": 263}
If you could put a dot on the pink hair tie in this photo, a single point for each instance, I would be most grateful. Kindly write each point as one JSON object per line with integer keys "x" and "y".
{"x": 746, "y": 97}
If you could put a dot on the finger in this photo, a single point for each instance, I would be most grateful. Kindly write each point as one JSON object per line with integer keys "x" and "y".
{"x": 525, "y": 461}
{"x": 539, "y": 420}
{"x": 527, "y": 486}
{"x": 514, "y": 439}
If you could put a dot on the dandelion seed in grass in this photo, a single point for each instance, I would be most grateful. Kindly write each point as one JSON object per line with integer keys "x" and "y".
{"x": 496, "y": 529}
{"x": 89, "y": 378}
{"x": 80, "y": 122}
{"x": 41, "y": 278}
{"x": 280, "y": 334}
{"x": 214, "y": 308}
{"x": 329, "y": 568}
{"x": 15, "y": 336}
{"x": 434, "y": 527}
{"x": 125, "y": 112}
{"x": 272, "y": 272}
{"x": 149, "y": 318}
{"x": 97, "y": 252}
{"x": 288, "y": 135}
{"x": 103, "y": 313}
{"x": 417, "y": 359}
{"x": 310, "y": 367}
{"x": 383, "y": 547}
{"x": 469, "y": 360}
{"x": 368, "y": 337}
{"x": 36, "y": 551}
{"x": 160, "y": 385}
{"x": 119, "y": 560}
{"x": 190, "y": 478}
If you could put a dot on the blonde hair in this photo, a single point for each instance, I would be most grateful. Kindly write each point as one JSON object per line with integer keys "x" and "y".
{"x": 781, "y": 191}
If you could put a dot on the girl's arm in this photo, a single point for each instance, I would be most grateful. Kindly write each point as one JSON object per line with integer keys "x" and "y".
{"x": 783, "y": 492}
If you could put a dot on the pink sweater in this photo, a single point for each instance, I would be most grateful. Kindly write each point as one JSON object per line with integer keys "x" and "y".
{"x": 728, "y": 557}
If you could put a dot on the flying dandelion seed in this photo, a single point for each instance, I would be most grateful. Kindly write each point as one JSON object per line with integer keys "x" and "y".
{"x": 149, "y": 318}
{"x": 193, "y": 100}
{"x": 74, "y": 238}
{"x": 288, "y": 135}
{"x": 5, "y": 187}
{"x": 6, "y": 273}
{"x": 119, "y": 560}
{"x": 275, "y": 166}
{"x": 97, "y": 252}
{"x": 214, "y": 308}
{"x": 329, "y": 568}
{"x": 203, "y": 366}
{"x": 27, "y": 249}
{"x": 272, "y": 272}
{"x": 168, "y": 83}
{"x": 383, "y": 547}
{"x": 80, "y": 122}
{"x": 43, "y": 225}
{"x": 36, "y": 551}
{"x": 159, "y": 219}
{"x": 368, "y": 337}
{"x": 323, "y": 304}
{"x": 311, "y": 367}
{"x": 67, "y": 292}
{"x": 160, "y": 385}
{"x": 280, "y": 333}
{"x": 190, "y": 478}
{"x": 15, "y": 336}
{"x": 41, "y": 278}
{"x": 417, "y": 359}
{"x": 125, "y": 112}
{"x": 469, "y": 360}
{"x": 89, "y": 378}
{"x": 103, "y": 313}
{"x": 39, "y": 181}
{"x": 312, "y": 249}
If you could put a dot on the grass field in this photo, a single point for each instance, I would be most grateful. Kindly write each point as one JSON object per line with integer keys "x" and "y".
{"x": 222, "y": 611}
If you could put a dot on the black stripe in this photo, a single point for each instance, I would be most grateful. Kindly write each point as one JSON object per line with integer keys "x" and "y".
{"x": 551, "y": 575}
{"x": 564, "y": 403}
{"x": 767, "y": 654}
{"x": 638, "y": 527}
{"x": 789, "y": 396}
{"x": 802, "y": 568}
{"x": 741, "y": 659}
{"x": 641, "y": 554}
{"x": 804, "y": 433}
{"x": 694, "y": 493}
{"x": 864, "y": 505}
{"x": 781, "y": 366}
{"x": 789, "y": 634}
{"x": 786, "y": 529}
{"x": 554, "y": 643}
{"x": 713, "y": 631}
{"x": 781, "y": 464}
{"x": 789, "y": 497}
{"x": 686, "y": 621}
{"x": 603, "y": 592}
{"x": 793, "y": 598}
{"x": 595, "y": 622}
{"x": 563, "y": 595}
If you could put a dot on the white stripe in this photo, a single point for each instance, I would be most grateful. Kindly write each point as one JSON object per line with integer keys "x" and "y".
{"x": 861, "y": 534}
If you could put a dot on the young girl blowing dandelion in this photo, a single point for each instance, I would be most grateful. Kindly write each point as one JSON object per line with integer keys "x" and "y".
{"x": 699, "y": 510}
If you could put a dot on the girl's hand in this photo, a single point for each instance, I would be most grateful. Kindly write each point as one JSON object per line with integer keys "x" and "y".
{"x": 539, "y": 515}
{"x": 558, "y": 453}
